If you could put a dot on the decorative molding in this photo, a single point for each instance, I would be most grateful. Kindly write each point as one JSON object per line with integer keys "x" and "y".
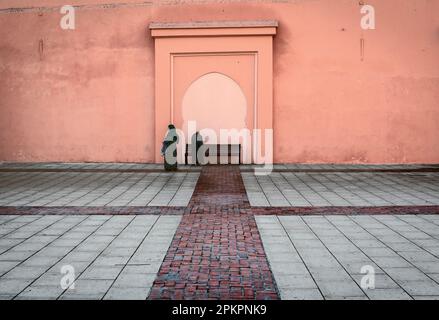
{"x": 214, "y": 24}
{"x": 213, "y": 28}
{"x": 244, "y": 53}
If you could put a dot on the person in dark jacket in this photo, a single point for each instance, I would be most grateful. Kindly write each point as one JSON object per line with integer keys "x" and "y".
{"x": 196, "y": 144}
{"x": 169, "y": 149}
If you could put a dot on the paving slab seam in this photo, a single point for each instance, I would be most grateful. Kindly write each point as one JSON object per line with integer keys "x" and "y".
{"x": 42, "y": 230}
{"x": 102, "y": 250}
{"x": 78, "y": 181}
{"x": 132, "y": 255}
{"x": 387, "y": 246}
{"x": 335, "y": 257}
{"x": 300, "y": 256}
{"x": 30, "y": 222}
{"x": 48, "y": 268}
{"x": 415, "y": 244}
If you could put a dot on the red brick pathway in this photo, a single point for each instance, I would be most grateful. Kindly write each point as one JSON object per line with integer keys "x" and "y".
{"x": 216, "y": 254}
{"x": 219, "y": 189}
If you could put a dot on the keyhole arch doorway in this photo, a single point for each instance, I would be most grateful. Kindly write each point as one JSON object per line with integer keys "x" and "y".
{"x": 215, "y": 101}
{"x": 216, "y": 106}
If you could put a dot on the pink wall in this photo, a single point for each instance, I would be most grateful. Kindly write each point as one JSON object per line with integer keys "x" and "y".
{"x": 89, "y": 96}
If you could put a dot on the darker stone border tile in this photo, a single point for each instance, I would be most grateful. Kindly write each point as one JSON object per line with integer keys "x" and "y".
{"x": 224, "y": 209}
{"x": 126, "y": 210}
{"x": 345, "y": 210}
{"x": 371, "y": 170}
{"x": 91, "y": 170}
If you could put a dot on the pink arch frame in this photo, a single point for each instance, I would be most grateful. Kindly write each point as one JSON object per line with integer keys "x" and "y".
{"x": 214, "y": 38}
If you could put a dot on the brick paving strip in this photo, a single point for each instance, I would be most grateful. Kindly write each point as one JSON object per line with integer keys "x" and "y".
{"x": 216, "y": 252}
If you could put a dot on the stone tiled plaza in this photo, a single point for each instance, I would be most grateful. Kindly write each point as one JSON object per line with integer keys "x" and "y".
{"x": 94, "y": 185}
{"x": 114, "y": 257}
{"x": 343, "y": 185}
{"x": 218, "y": 232}
{"x": 316, "y": 257}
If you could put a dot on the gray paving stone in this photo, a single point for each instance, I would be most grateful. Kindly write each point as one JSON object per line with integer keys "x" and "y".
{"x": 53, "y": 251}
{"x": 21, "y": 272}
{"x": 12, "y": 255}
{"x": 295, "y": 281}
{"x": 426, "y": 297}
{"x": 379, "y": 252}
{"x": 134, "y": 280}
{"x": 5, "y": 266}
{"x": 40, "y": 261}
{"x": 382, "y": 281}
{"x": 40, "y": 293}
{"x": 289, "y": 268}
{"x": 101, "y": 273}
{"x": 391, "y": 262}
{"x": 428, "y": 267}
{"x": 420, "y": 256}
{"x": 300, "y": 294}
{"x": 12, "y": 287}
{"x": 339, "y": 289}
{"x": 78, "y": 266}
{"x": 152, "y": 267}
{"x": 49, "y": 279}
{"x": 434, "y": 276}
{"x": 119, "y": 293}
{"x": 87, "y": 289}
{"x": 420, "y": 288}
{"x": 76, "y": 255}
{"x": 387, "y": 294}
{"x": 330, "y": 274}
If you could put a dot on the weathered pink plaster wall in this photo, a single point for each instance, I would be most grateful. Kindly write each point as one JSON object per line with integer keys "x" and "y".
{"x": 88, "y": 95}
